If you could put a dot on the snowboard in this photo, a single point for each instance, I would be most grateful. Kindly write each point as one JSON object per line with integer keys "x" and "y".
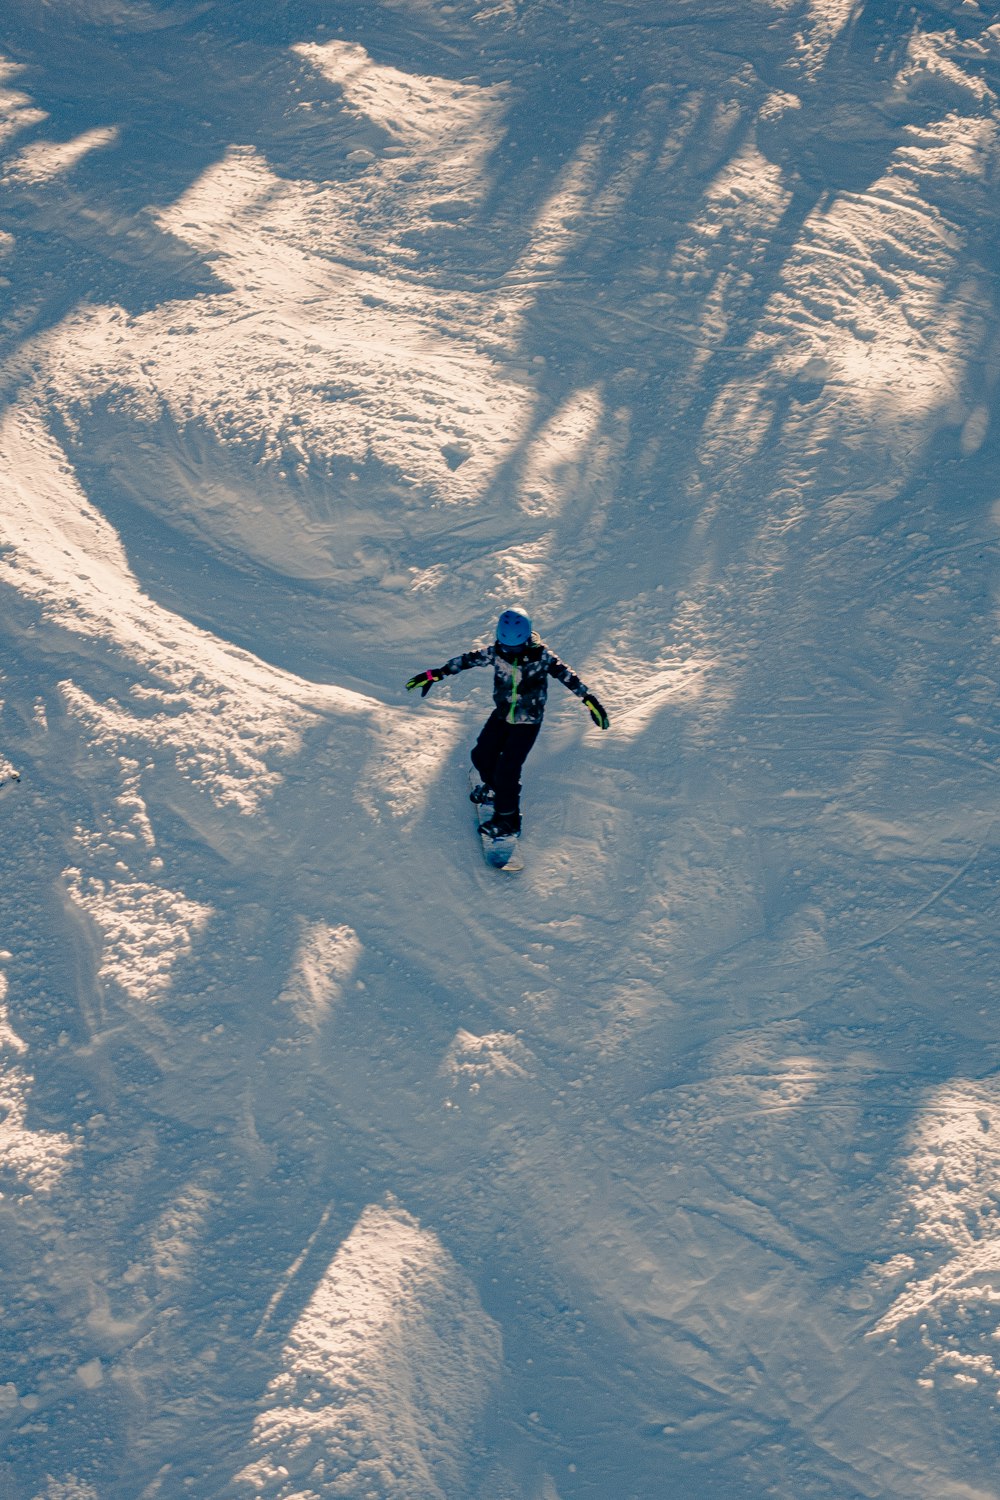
{"x": 500, "y": 854}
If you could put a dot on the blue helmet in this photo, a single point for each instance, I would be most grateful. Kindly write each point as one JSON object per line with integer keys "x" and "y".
{"x": 513, "y": 629}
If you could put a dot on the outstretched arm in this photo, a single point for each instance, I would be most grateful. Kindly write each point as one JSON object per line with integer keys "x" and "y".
{"x": 596, "y": 710}
{"x": 568, "y": 678}
{"x": 426, "y": 680}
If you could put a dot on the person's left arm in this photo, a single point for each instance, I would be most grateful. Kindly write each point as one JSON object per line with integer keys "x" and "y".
{"x": 564, "y": 674}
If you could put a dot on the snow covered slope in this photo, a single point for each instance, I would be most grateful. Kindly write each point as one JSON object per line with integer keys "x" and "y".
{"x": 332, "y": 1165}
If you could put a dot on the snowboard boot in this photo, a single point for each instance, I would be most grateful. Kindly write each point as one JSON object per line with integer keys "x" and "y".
{"x": 481, "y": 794}
{"x": 502, "y": 825}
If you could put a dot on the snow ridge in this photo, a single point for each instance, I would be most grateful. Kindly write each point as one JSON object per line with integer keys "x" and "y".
{"x": 384, "y": 1374}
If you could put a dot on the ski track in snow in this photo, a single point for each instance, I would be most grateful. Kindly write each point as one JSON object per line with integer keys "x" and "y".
{"x": 327, "y": 1167}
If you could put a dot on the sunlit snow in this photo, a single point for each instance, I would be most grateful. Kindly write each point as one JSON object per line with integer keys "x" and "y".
{"x": 332, "y": 1164}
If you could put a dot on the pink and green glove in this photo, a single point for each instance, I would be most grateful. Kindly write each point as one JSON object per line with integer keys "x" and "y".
{"x": 424, "y": 681}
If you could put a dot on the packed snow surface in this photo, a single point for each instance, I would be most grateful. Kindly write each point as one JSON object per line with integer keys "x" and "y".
{"x": 331, "y": 1162}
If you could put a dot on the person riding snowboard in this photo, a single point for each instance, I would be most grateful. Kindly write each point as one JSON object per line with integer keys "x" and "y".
{"x": 522, "y": 665}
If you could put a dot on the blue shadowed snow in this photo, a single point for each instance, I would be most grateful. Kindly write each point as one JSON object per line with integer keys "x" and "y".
{"x": 333, "y": 1163}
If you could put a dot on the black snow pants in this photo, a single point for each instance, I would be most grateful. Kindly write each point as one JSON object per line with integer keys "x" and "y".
{"x": 498, "y": 755}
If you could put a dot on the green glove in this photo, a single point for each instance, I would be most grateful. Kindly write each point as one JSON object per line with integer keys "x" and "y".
{"x": 424, "y": 681}
{"x": 597, "y": 713}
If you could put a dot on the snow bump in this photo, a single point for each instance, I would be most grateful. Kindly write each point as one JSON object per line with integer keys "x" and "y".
{"x": 382, "y": 1377}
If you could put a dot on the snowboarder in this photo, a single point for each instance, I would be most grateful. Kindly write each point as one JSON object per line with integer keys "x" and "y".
{"x": 522, "y": 665}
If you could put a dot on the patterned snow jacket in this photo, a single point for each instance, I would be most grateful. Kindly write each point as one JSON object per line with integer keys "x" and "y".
{"x": 520, "y": 678}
